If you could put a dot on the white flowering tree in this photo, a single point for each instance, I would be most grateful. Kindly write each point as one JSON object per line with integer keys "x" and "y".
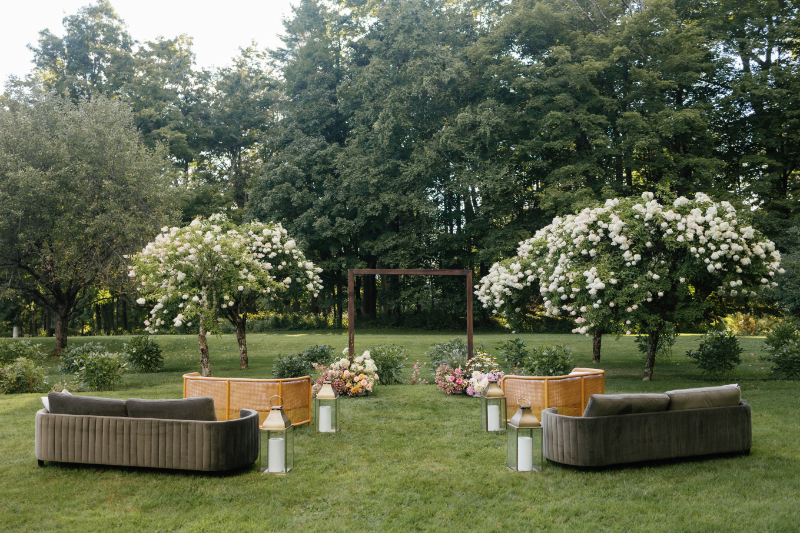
{"x": 635, "y": 265}
{"x": 212, "y": 269}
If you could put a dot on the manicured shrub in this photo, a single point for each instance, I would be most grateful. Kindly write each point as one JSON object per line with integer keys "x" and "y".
{"x": 72, "y": 358}
{"x": 549, "y": 361}
{"x": 665, "y": 342}
{"x": 101, "y": 371}
{"x": 718, "y": 355}
{"x": 320, "y": 354}
{"x": 291, "y": 366}
{"x": 454, "y": 351}
{"x": 389, "y": 360}
{"x": 23, "y": 375}
{"x": 783, "y": 351}
{"x": 144, "y": 354}
{"x": 514, "y": 353}
{"x": 12, "y": 350}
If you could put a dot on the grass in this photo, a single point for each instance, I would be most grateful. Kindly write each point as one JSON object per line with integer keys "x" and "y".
{"x": 411, "y": 458}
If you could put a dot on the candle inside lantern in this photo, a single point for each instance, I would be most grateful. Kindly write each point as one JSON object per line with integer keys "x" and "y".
{"x": 325, "y": 419}
{"x": 524, "y": 454}
{"x": 277, "y": 455}
{"x": 493, "y": 413}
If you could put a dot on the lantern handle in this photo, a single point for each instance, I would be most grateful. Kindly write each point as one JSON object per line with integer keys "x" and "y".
{"x": 519, "y": 402}
{"x": 275, "y": 396}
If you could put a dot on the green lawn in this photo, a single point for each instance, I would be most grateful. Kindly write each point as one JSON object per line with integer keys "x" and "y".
{"x": 411, "y": 458}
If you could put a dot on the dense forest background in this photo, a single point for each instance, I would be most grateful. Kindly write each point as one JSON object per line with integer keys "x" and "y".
{"x": 438, "y": 134}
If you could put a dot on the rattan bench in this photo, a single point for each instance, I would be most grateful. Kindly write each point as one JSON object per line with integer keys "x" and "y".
{"x": 569, "y": 393}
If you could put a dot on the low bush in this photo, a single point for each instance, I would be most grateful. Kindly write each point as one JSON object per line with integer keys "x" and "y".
{"x": 101, "y": 371}
{"x": 454, "y": 351}
{"x": 665, "y": 342}
{"x": 23, "y": 375}
{"x": 718, "y": 355}
{"x": 320, "y": 354}
{"x": 549, "y": 361}
{"x": 12, "y": 350}
{"x": 291, "y": 366}
{"x": 782, "y": 346}
{"x": 72, "y": 358}
{"x": 514, "y": 353}
{"x": 144, "y": 354}
{"x": 389, "y": 360}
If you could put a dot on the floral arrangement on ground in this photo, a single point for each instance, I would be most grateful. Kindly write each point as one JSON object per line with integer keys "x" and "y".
{"x": 472, "y": 378}
{"x": 352, "y": 379}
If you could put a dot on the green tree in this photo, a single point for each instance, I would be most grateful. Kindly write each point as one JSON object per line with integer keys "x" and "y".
{"x": 78, "y": 192}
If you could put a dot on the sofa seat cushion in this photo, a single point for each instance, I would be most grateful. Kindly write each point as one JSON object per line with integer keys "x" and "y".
{"x": 701, "y": 398}
{"x": 625, "y": 404}
{"x": 72, "y": 404}
{"x": 184, "y": 409}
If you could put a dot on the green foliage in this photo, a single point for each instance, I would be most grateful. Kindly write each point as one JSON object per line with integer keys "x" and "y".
{"x": 783, "y": 350}
{"x": 144, "y": 354}
{"x": 101, "y": 371}
{"x": 549, "y": 361}
{"x": 73, "y": 357}
{"x": 23, "y": 375}
{"x": 12, "y": 350}
{"x": 514, "y": 352}
{"x": 291, "y": 366}
{"x": 321, "y": 354}
{"x": 666, "y": 340}
{"x": 453, "y": 352}
{"x": 390, "y": 359}
{"x": 718, "y": 355}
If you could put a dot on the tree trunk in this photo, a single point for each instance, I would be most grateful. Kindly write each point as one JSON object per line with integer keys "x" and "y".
{"x": 652, "y": 344}
{"x": 241, "y": 338}
{"x": 203, "y": 345}
{"x": 62, "y": 321}
{"x": 596, "y": 344}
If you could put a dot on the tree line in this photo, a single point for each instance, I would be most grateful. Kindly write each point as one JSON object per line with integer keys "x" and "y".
{"x": 440, "y": 134}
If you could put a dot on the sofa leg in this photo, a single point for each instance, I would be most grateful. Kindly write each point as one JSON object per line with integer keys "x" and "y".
{"x": 41, "y": 463}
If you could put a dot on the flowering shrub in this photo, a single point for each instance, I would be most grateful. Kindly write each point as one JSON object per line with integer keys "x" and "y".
{"x": 346, "y": 378}
{"x": 416, "y": 375}
{"x": 22, "y": 376}
{"x": 634, "y": 264}
{"x": 101, "y": 371}
{"x": 72, "y": 358}
{"x": 144, "y": 354}
{"x": 451, "y": 380}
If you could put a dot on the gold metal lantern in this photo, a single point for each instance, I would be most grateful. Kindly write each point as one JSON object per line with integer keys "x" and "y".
{"x": 524, "y": 433}
{"x": 277, "y": 441}
{"x": 326, "y": 409}
{"x": 493, "y": 407}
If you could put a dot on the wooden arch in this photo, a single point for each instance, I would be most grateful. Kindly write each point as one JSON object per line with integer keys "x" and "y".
{"x": 351, "y": 310}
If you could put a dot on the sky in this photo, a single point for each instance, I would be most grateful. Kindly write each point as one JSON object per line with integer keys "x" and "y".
{"x": 219, "y": 28}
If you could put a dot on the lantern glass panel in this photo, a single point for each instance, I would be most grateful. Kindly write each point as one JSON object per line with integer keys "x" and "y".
{"x": 493, "y": 414}
{"x": 327, "y": 423}
{"x": 276, "y": 457}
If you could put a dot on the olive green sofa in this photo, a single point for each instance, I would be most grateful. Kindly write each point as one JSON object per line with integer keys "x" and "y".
{"x": 631, "y": 428}
{"x": 175, "y": 434}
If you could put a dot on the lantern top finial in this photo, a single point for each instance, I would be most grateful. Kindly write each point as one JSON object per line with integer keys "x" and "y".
{"x": 524, "y": 417}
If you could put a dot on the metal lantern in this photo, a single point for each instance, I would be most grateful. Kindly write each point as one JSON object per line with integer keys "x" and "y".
{"x": 326, "y": 409}
{"x": 277, "y": 441}
{"x": 493, "y": 407}
{"x": 524, "y": 432}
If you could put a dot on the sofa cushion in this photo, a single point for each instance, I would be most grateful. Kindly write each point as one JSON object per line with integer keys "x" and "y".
{"x": 700, "y": 398}
{"x": 72, "y": 404}
{"x": 625, "y": 404}
{"x": 183, "y": 409}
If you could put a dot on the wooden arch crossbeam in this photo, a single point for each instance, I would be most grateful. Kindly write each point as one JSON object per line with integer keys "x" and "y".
{"x": 351, "y": 310}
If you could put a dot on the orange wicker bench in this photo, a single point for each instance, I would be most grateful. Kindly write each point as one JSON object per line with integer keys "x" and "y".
{"x": 232, "y": 394}
{"x": 569, "y": 393}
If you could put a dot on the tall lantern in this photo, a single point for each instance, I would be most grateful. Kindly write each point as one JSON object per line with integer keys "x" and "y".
{"x": 326, "y": 409}
{"x": 277, "y": 441}
{"x": 493, "y": 407}
{"x": 525, "y": 440}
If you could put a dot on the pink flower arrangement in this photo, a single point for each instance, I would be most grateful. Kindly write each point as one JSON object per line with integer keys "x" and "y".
{"x": 450, "y": 380}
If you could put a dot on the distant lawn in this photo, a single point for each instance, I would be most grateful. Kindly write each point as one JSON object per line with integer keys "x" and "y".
{"x": 411, "y": 458}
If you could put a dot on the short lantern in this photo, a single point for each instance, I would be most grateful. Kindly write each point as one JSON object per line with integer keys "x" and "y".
{"x": 525, "y": 440}
{"x": 493, "y": 407}
{"x": 326, "y": 409}
{"x": 277, "y": 441}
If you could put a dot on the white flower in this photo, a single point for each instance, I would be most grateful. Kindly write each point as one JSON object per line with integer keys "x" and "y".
{"x": 141, "y": 301}
{"x": 240, "y": 288}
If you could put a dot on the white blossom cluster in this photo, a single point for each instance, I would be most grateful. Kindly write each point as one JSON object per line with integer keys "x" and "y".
{"x": 211, "y": 265}
{"x": 616, "y": 262}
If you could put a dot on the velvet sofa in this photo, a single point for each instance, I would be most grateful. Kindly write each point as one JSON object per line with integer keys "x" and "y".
{"x": 176, "y": 434}
{"x": 630, "y": 428}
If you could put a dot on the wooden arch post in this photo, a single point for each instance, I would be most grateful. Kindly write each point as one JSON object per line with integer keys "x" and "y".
{"x": 351, "y": 310}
